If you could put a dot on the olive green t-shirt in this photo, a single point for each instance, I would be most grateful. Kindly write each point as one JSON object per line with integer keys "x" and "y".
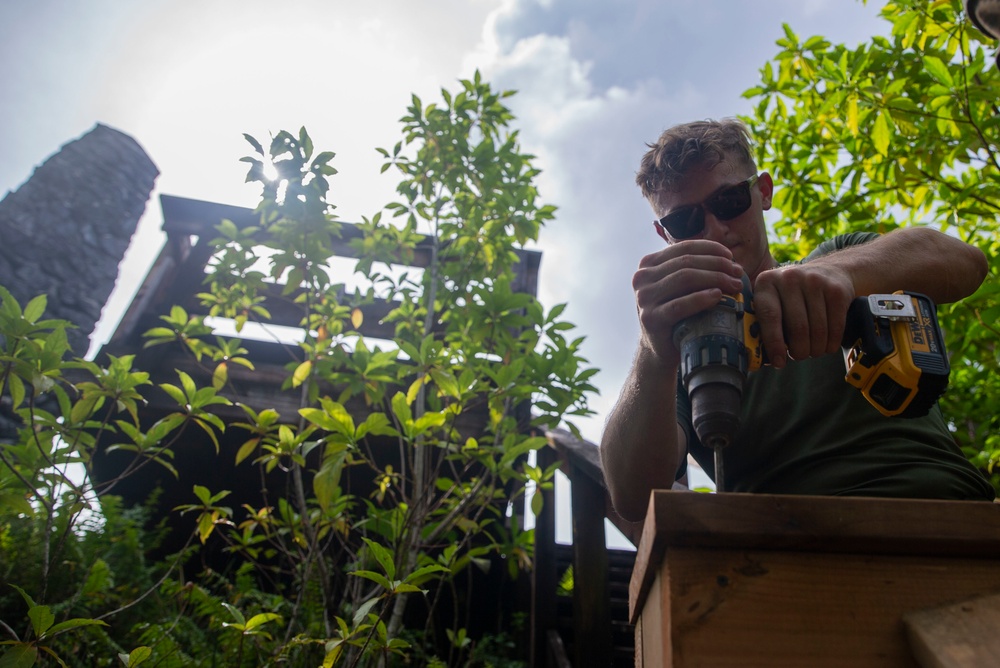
{"x": 805, "y": 430}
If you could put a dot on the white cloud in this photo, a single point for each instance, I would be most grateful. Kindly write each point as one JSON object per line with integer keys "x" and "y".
{"x": 597, "y": 79}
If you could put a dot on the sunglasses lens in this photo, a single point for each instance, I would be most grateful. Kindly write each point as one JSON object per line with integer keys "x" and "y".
{"x": 731, "y": 202}
{"x": 684, "y": 223}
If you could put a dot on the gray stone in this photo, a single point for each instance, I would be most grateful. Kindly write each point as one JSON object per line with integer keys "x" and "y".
{"x": 70, "y": 224}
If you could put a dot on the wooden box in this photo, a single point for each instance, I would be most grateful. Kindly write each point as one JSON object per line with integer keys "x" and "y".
{"x": 760, "y": 580}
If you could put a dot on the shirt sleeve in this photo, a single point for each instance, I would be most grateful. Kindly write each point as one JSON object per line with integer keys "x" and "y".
{"x": 840, "y": 242}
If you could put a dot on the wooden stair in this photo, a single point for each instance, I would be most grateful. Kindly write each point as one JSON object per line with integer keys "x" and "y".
{"x": 620, "y": 563}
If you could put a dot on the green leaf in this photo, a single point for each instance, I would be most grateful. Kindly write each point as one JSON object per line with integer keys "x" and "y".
{"x": 175, "y": 393}
{"x": 237, "y": 615}
{"x": 20, "y": 655}
{"x": 327, "y": 480}
{"x": 536, "y": 503}
{"x": 447, "y": 383}
{"x": 41, "y": 619}
{"x": 424, "y": 573}
{"x": 881, "y": 133}
{"x": 937, "y": 69}
{"x": 401, "y": 409}
{"x": 220, "y": 376}
{"x": 333, "y": 417}
{"x": 364, "y": 608}
{"x": 136, "y": 656}
{"x": 406, "y": 588}
{"x": 374, "y": 577}
{"x": 203, "y": 494}
{"x": 17, "y": 390}
{"x": 260, "y": 619}
{"x": 247, "y": 449}
{"x": 383, "y": 556}
{"x": 73, "y": 624}
{"x": 35, "y": 308}
{"x": 24, "y": 595}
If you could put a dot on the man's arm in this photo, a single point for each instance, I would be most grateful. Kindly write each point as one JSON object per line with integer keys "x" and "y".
{"x": 642, "y": 444}
{"x": 806, "y": 304}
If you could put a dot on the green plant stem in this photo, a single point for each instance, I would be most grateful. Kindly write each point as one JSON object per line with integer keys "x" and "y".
{"x": 156, "y": 585}
{"x": 9, "y": 630}
{"x": 411, "y": 545}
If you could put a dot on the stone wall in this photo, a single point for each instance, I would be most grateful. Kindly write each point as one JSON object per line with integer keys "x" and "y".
{"x": 64, "y": 231}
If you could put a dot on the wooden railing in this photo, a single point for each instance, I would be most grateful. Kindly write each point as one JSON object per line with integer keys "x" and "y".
{"x": 580, "y": 461}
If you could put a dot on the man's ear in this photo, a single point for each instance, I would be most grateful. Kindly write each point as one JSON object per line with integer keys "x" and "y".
{"x": 766, "y": 186}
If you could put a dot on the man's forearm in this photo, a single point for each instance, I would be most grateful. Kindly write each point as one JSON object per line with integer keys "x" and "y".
{"x": 917, "y": 259}
{"x": 639, "y": 448}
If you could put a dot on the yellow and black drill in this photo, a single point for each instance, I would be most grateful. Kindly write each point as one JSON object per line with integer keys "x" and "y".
{"x": 893, "y": 349}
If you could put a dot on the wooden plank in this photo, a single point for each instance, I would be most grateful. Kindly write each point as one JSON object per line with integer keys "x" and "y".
{"x": 791, "y": 609}
{"x": 591, "y": 598}
{"x": 586, "y": 458}
{"x": 544, "y": 576}
{"x": 652, "y": 629}
{"x": 811, "y": 523}
{"x": 184, "y": 216}
{"x": 961, "y": 635}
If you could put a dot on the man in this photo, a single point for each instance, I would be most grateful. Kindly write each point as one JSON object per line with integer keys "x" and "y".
{"x": 985, "y": 15}
{"x": 803, "y": 430}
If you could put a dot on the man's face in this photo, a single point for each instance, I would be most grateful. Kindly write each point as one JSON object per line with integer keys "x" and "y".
{"x": 745, "y": 235}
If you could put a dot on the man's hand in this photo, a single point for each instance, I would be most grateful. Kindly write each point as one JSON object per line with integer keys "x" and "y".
{"x": 676, "y": 282}
{"x": 802, "y": 310}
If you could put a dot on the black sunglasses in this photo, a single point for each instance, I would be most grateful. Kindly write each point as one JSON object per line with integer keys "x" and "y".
{"x": 688, "y": 221}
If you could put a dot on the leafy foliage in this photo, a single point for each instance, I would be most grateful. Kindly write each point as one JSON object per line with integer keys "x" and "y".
{"x": 899, "y": 131}
{"x": 323, "y": 576}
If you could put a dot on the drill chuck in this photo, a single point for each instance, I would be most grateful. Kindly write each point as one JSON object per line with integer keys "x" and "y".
{"x": 714, "y": 365}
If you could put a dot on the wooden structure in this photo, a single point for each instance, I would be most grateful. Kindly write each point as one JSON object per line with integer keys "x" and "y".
{"x": 761, "y": 580}
{"x": 175, "y": 278}
{"x": 595, "y": 629}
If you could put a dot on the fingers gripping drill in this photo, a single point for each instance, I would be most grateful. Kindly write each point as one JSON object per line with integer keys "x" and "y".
{"x": 893, "y": 350}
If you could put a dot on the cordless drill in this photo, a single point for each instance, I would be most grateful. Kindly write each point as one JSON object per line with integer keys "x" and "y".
{"x": 893, "y": 350}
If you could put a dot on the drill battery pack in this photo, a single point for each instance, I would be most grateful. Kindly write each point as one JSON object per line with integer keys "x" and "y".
{"x": 894, "y": 352}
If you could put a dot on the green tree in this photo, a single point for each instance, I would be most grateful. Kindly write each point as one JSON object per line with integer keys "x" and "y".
{"x": 902, "y": 130}
{"x": 473, "y": 368}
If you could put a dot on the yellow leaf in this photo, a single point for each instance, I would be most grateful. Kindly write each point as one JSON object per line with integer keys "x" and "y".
{"x": 246, "y": 449}
{"x": 852, "y": 116}
{"x": 357, "y": 318}
{"x": 220, "y": 376}
{"x": 881, "y": 133}
{"x": 206, "y": 522}
{"x": 302, "y": 372}
{"x": 411, "y": 394}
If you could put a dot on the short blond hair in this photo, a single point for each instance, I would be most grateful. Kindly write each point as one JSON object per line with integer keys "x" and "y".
{"x": 700, "y": 144}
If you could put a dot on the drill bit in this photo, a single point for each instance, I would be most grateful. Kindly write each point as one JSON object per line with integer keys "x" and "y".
{"x": 720, "y": 485}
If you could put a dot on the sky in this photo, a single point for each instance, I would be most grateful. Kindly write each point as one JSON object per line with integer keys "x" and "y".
{"x": 596, "y": 80}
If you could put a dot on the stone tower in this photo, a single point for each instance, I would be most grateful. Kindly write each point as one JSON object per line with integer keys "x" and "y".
{"x": 65, "y": 231}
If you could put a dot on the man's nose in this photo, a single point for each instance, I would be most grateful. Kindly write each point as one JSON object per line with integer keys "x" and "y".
{"x": 715, "y": 229}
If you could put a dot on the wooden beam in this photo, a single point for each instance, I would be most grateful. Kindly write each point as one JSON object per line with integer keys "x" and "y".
{"x": 962, "y": 635}
{"x": 811, "y": 523}
{"x": 183, "y": 216}
{"x": 591, "y": 596}
{"x": 544, "y": 576}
